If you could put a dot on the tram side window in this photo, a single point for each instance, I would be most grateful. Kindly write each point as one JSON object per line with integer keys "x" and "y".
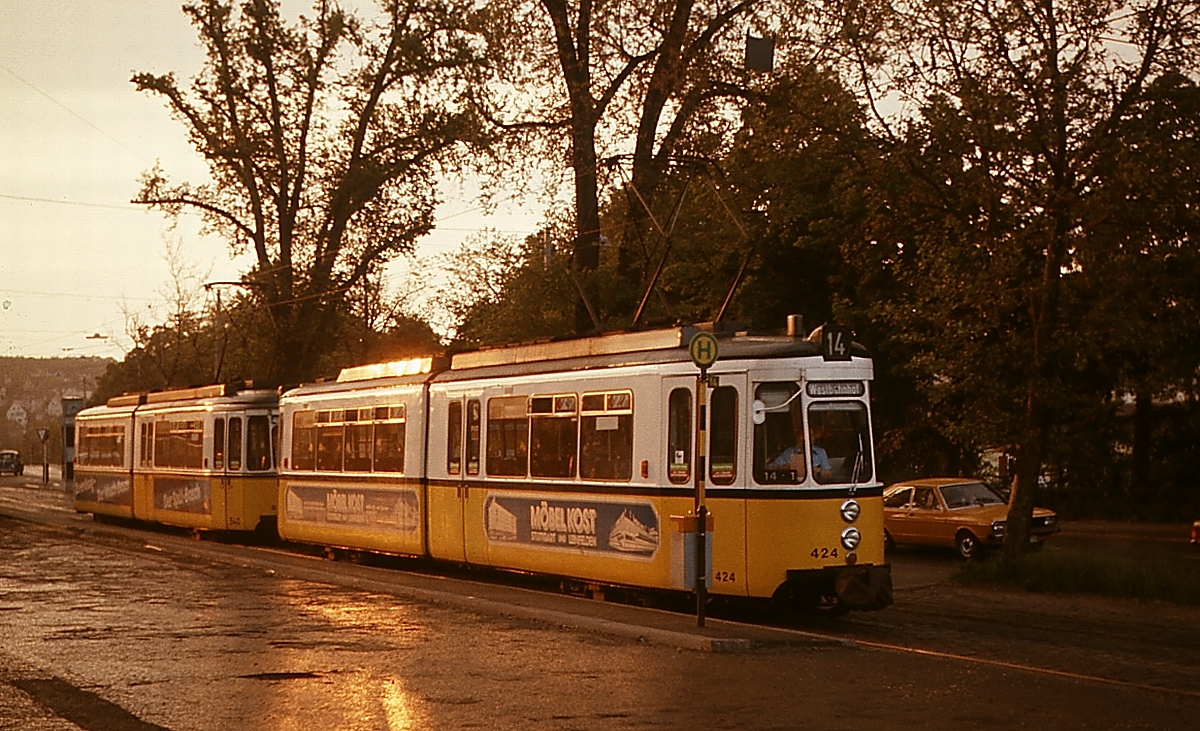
{"x": 258, "y": 443}
{"x": 507, "y": 436}
{"x": 553, "y": 426}
{"x": 102, "y": 446}
{"x": 179, "y": 443}
{"x": 358, "y": 440}
{"x": 389, "y": 438}
{"x": 329, "y": 440}
{"x": 218, "y": 444}
{"x": 146, "y": 459}
{"x": 454, "y": 426}
{"x": 722, "y": 439}
{"x": 841, "y": 442}
{"x": 606, "y": 436}
{"x": 679, "y": 436}
{"x": 235, "y": 443}
{"x": 304, "y": 440}
{"x": 474, "y": 434}
{"x": 779, "y": 453}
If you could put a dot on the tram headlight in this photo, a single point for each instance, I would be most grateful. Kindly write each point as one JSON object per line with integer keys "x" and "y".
{"x": 850, "y": 511}
{"x": 851, "y": 538}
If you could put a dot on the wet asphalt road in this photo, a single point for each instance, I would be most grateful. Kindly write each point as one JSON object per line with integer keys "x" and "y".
{"x": 110, "y": 628}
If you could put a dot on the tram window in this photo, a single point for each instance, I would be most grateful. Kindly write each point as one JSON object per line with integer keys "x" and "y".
{"x": 606, "y": 436}
{"x": 147, "y": 444}
{"x": 218, "y": 444}
{"x": 554, "y": 428}
{"x": 304, "y": 440}
{"x": 389, "y": 441}
{"x": 679, "y": 436}
{"x": 841, "y": 442}
{"x": 507, "y": 436}
{"x": 454, "y": 426}
{"x": 179, "y": 443}
{"x": 358, "y": 446}
{"x": 101, "y": 446}
{"x": 779, "y": 452}
{"x": 258, "y": 443}
{"x": 722, "y": 438}
{"x": 329, "y": 440}
{"x": 235, "y": 443}
{"x": 474, "y": 432}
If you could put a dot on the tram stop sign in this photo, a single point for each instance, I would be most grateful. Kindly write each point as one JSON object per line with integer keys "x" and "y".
{"x": 703, "y": 350}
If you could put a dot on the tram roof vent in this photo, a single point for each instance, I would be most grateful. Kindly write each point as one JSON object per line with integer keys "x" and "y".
{"x": 216, "y": 390}
{"x": 392, "y": 369}
{"x": 126, "y": 399}
{"x": 608, "y": 344}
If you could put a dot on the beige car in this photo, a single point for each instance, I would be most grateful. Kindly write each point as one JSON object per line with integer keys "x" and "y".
{"x": 955, "y": 512}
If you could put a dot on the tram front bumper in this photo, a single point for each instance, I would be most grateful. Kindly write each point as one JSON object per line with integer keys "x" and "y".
{"x": 864, "y": 588}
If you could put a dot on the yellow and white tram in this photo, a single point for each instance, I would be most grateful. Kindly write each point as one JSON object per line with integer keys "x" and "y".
{"x": 573, "y": 458}
{"x": 200, "y": 458}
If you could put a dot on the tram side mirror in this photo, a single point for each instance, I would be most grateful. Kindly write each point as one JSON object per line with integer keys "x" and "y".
{"x": 758, "y": 412}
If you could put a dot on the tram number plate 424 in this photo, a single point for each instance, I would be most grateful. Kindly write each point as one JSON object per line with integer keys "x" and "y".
{"x": 820, "y": 553}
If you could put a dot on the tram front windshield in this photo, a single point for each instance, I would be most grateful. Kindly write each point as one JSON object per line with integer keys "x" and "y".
{"x": 841, "y": 442}
{"x": 833, "y": 445}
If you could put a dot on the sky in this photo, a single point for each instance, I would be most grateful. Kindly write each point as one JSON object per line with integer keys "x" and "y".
{"x": 78, "y": 262}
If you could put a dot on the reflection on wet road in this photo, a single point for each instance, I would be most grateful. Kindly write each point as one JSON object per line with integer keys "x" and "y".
{"x": 123, "y": 622}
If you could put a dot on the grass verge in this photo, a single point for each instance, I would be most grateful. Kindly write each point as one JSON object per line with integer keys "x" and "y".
{"x": 1078, "y": 572}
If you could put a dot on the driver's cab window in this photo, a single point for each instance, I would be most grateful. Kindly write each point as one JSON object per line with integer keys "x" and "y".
{"x": 779, "y": 457}
{"x": 840, "y": 438}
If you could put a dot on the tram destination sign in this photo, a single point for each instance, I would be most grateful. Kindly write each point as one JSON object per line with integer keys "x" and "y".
{"x": 834, "y": 388}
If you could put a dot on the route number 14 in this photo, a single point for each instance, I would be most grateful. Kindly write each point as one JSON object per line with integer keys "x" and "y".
{"x": 835, "y": 342}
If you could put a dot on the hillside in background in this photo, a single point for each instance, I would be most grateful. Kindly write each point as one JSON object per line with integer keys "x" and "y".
{"x": 31, "y": 394}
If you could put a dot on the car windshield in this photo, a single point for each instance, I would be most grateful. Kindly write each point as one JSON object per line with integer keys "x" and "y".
{"x": 969, "y": 493}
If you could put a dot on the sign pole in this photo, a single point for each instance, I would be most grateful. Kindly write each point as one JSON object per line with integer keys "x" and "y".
{"x": 44, "y": 435}
{"x": 703, "y": 350}
{"x": 700, "y": 509}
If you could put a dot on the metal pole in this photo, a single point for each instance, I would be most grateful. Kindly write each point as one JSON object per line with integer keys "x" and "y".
{"x": 701, "y": 511}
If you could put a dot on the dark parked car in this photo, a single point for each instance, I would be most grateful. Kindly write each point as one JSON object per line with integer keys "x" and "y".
{"x": 10, "y": 461}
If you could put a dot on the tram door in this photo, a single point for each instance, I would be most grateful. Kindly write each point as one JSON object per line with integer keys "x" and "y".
{"x": 679, "y": 394}
{"x": 726, "y": 474}
{"x": 448, "y": 500}
{"x": 227, "y": 460}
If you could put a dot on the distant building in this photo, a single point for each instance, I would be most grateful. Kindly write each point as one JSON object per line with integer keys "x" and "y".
{"x": 17, "y": 415}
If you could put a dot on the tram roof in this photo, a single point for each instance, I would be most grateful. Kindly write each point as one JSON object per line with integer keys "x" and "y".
{"x": 648, "y": 347}
{"x": 230, "y": 392}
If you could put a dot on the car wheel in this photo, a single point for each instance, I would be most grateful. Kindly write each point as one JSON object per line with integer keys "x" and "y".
{"x": 968, "y": 545}
{"x": 889, "y": 543}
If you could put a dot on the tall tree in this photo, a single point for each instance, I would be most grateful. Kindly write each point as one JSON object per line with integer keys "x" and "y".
{"x": 1020, "y": 105}
{"x": 626, "y": 81}
{"x": 324, "y": 141}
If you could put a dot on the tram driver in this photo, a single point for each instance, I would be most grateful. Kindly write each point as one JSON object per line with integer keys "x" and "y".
{"x": 793, "y": 456}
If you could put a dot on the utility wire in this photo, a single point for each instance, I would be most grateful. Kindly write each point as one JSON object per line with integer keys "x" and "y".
{"x": 76, "y": 115}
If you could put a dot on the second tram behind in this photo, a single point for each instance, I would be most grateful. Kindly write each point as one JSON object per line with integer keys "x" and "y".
{"x": 201, "y": 458}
